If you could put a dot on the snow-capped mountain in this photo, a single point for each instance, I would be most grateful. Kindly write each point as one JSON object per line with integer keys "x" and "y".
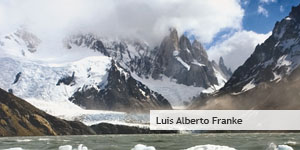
{"x": 274, "y": 59}
{"x": 20, "y": 43}
{"x": 102, "y": 73}
{"x": 134, "y": 56}
{"x": 272, "y": 69}
{"x": 188, "y": 63}
{"x": 171, "y": 69}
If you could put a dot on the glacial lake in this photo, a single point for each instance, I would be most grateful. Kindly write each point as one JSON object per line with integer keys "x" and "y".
{"x": 219, "y": 141}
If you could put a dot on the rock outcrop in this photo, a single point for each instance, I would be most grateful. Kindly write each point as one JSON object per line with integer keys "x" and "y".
{"x": 67, "y": 80}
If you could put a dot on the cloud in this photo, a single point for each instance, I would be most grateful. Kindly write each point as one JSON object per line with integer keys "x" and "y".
{"x": 263, "y": 11}
{"x": 237, "y": 48}
{"x": 245, "y": 2}
{"x": 281, "y": 8}
{"x": 143, "y": 19}
{"x": 267, "y": 1}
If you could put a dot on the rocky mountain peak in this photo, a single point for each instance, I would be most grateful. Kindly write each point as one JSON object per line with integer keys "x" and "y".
{"x": 25, "y": 43}
{"x": 224, "y": 69}
{"x": 170, "y": 42}
{"x": 221, "y": 61}
{"x": 187, "y": 63}
{"x": 173, "y": 35}
{"x": 198, "y": 50}
{"x": 197, "y": 44}
{"x": 295, "y": 13}
{"x": 30, "y": 39}
{"x": 184, "y": 43}
{"x": 86, "y": 40}
{"x": 272, "y": 60}
{"x": 185, "y": 49}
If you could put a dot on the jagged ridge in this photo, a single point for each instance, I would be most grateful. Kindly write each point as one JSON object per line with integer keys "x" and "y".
{"x": 122, "y": 92}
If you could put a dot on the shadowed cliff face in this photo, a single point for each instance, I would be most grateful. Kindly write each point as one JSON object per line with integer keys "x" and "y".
{"x": 19, "y": 118}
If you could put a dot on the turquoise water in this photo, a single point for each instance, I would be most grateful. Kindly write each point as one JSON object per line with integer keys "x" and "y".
{"x": 239, "y": 141}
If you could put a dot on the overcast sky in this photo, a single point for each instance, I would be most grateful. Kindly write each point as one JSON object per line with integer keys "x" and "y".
{"x": 218, "y": 24}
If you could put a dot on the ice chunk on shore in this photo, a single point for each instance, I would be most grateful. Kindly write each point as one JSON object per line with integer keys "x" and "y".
{"x": 290, "y": 143}
{"x": 15, "y": 148}
{"x": 65, "y": 147}
{"x": 143, "y": 147}
{"x": 69, "y": 147}
{"x": 24, "y": 140}
{"x": 210, "y": 147}
{"x": 284, "y": 147}
{"x": 82, "y": 147}
{"x": 273, "y": 146}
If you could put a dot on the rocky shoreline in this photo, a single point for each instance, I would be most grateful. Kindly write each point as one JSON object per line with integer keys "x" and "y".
{"x": 106, "y": 128}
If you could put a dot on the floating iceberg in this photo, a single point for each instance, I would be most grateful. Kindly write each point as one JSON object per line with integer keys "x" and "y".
{"x": 143, "y": 147}
{"x": 210, "y": 147}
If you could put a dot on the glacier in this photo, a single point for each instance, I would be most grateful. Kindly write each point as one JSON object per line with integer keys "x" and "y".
{"x": 32, "y": 68}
